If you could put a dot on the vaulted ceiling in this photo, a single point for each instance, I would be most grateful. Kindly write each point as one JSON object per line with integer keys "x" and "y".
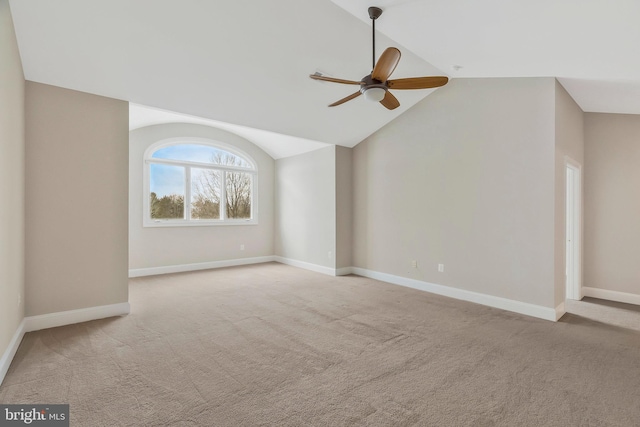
{"x": 246, "y": 63}
{"x": 589, "y": 45}
{"x": 240, "y": 62}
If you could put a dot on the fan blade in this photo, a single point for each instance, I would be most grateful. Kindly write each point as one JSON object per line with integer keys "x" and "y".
{"x": 418, "y": 82}
{"x": 345, "y": 99}
{"x": 390, "y": 101}
{"x": 386, "y": 64}
{"x": 331, "y": 79}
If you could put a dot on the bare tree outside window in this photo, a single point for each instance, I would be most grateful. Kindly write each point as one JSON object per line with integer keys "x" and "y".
{"x": 205, "y": 194}
{"x": 207, "y": 186}
{"x": 199, "y": 183}
{"x": 238, "y": 195}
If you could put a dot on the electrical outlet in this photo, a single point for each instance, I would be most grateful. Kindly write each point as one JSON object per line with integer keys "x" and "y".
{"x": 242, "y": 247}
{"x": 414, "y": 263}
{"x": 441, "y": 268}
{"x": 329, "y": 254}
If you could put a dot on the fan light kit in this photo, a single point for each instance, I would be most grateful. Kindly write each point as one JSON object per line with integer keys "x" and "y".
{"x": 375, "y": 86}
{"x": 375, "y": 94}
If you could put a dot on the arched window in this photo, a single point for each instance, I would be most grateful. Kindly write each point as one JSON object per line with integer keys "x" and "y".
{"x": 198, "y": 182}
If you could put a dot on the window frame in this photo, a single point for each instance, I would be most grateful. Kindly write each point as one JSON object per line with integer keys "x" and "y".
{"x": 252, "y": 170}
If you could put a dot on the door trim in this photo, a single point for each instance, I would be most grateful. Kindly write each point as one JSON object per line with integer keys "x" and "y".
{"x": 573, "y": 284}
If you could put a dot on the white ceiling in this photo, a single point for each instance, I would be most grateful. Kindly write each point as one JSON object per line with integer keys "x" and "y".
{"x": 246, "y": 63}
{"x": 276, "y": 145}
{"x": 241, "y": 62}
{"x": 589, "y": 45}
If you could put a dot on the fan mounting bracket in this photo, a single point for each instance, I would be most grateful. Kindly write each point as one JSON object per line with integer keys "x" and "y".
{"x": 374, "y": 12}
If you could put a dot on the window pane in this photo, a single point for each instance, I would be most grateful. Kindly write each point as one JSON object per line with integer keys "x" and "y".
{"x": 205, "y": 194}
{"x": 228, "y": 159}
{"x": 200, "y": 153}
{"x": 167, "y": 185}
{"x": 238, "y": 195}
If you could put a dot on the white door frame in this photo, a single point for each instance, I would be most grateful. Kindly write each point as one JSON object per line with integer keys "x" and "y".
{"x": 573, "y": 229}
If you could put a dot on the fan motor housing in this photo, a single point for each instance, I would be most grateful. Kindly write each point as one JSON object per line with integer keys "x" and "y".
{"x": 368, "y": 82}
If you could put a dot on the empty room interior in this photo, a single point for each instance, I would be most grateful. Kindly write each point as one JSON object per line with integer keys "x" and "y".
{"x": 210, "y": 217}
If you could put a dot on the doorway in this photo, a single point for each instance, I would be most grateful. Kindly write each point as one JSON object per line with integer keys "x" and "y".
{"x": 573, "y": 223}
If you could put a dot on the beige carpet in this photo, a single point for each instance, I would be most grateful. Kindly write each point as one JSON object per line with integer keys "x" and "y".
{"x": 279, "y": 346}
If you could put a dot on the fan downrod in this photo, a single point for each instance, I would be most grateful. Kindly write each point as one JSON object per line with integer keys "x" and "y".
{"x": 374, "y": 13}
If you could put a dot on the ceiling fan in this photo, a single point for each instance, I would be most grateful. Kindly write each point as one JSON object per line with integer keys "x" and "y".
{"x": 375, "y": 86}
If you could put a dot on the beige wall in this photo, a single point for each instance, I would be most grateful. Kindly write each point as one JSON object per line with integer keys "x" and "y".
{"x": 168, "y": 246}
{"x": 344, "y": 214}
{"x": 306, "y": 207}
{"x": 569, "y": 144}
{"x": 611, "y": 202}
{"x": 76, "y": 200}
{"x": 464, "y": 178}
{"x": 11, "y": 181}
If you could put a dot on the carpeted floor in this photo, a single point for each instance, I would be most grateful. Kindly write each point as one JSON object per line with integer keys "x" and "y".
{"x": 275, "y": 345}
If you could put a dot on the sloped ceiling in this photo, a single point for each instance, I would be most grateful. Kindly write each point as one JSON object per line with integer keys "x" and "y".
{"x": 276, "y": 145}
{"x": 239, "y": 62}
{"x": 246, "y": 63}
{"x": 589, "y": 45}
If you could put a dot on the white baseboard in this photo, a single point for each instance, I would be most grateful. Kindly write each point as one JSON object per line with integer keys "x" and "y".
{"x": 541, "y": 312}
{"x": 7, "y": 357}
{"x": 306, "y": 265}
{"x": 52, "y": 320}
{"x": 62, "y": 318}
{"x": 560, "y": 311}
{"x": 151, "y": 271}
{"x": 344, "y": 271}
{"x": 611, "y": 295}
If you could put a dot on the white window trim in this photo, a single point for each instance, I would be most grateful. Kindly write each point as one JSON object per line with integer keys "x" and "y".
{"x": 147, "y": 221}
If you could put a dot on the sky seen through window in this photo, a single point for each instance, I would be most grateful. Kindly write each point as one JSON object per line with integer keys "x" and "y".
{"x": 168, "y": 179}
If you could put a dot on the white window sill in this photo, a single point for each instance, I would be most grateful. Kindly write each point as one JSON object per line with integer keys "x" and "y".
{"x": 179, "y": 223}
